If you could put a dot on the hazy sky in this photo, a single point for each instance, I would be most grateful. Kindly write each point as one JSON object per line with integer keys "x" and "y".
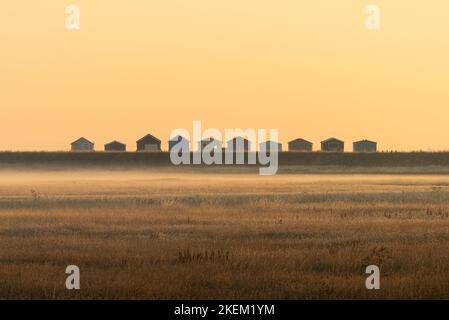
{"x": 309, "y": 68}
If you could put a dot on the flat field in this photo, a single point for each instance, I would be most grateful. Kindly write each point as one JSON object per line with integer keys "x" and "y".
{"x": 162, "y": 235}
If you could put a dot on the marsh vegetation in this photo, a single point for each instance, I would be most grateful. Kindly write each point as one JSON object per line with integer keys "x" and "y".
{"x": 150, "y": 235}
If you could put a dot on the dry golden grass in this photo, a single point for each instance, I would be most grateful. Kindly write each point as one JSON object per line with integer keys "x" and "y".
{"x": 144, "y": 235}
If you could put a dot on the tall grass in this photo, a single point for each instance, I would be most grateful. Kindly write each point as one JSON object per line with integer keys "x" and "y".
{"x": 230, "y": 237}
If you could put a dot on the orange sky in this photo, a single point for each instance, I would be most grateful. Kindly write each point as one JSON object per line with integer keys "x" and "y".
{"x": 308, "y": 68}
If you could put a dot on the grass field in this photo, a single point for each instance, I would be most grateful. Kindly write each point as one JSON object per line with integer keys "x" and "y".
{"x": 162, "y": 235}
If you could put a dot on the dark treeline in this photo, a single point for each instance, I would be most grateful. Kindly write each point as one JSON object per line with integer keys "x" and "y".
{"x": 80, "y": 159}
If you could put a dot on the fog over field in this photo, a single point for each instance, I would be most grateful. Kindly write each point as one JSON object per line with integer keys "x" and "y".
{"x": 161, "y": 234}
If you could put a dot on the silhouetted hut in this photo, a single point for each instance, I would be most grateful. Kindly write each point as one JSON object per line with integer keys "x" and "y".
{"x": 300, "y": 145}
{"x": 216, "y": 144}
{"x": 82, "y": 144}
{"x": 364, "y": 146}
{"x": 180, "y": 141}
{"x": 332, "y": 145}
{"x": 115, "y": 146}
{"x": 148, "y": 143}
{"x": 270, "y": 146}
{"x": 239, "y": 144}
